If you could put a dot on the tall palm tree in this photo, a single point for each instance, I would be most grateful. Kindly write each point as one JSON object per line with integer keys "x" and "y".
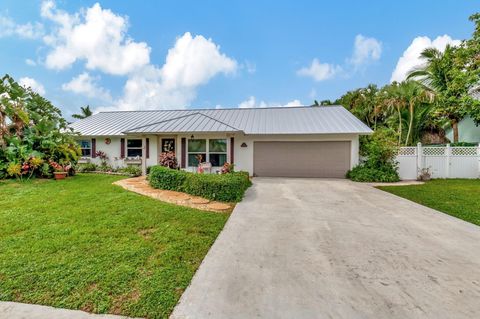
{"x": 439, "y": 76}
{"x": 85, "y": 112}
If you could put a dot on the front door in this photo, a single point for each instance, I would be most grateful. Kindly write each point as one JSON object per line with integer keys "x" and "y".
{"x": 168, "y": 145}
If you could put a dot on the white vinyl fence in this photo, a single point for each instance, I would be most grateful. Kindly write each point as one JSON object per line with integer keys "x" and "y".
{"x": 441, "y": 161}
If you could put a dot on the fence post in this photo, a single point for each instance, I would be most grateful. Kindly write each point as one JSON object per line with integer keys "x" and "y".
{"x": 448, "y": 149}
{"x": 478, "y": 158}
{"x": 419, "y": 159}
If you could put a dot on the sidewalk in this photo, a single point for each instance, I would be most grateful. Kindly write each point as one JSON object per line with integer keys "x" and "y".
{"x": 15, "y": 310}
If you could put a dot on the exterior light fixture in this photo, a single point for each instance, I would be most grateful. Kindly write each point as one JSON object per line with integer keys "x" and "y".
{"x": 243, "y": 144}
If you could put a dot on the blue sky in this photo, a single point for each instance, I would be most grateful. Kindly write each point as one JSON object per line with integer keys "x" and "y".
{"x": 204, "y": 54}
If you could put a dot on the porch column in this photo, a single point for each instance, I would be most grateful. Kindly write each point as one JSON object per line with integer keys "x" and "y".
{"x": 144, "y": 155}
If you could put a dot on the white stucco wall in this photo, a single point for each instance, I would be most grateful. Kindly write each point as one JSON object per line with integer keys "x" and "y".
{"x": 243, "y": 156}
{"x": 113, "y": 149}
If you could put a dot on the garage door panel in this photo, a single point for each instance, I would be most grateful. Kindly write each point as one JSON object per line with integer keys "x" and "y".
{"x": 302, "y": 159}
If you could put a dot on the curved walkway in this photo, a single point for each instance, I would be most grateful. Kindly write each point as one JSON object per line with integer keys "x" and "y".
{"x": 140, "y": 185}
{"x": 312, "y": 248}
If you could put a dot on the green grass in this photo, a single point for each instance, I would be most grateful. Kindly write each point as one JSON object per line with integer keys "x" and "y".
{"x": 456, "y": 197}
{"x": 83, "y": 243}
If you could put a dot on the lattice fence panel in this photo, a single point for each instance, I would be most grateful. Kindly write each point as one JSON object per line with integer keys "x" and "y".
{"x": 407, "y": 151}
{"x": 434, "y": 151}
{"x": 464, "y": 151}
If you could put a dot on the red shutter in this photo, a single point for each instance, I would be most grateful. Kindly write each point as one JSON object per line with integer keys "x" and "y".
{"x": 184, "y": 152}
{"x": 122, "y": 148}
{"x": 147, "y": 147}
{"x": 232, "y": 144}
{"x": 94, "y": 148}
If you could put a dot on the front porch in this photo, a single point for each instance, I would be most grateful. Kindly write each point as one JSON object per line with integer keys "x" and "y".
{"x": 190, "y": 149}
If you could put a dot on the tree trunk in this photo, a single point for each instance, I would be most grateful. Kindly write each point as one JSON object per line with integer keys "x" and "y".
{"x": 410, "y": 123}
{"x": 455, "y": 130}
{"x": 399, "y": 127}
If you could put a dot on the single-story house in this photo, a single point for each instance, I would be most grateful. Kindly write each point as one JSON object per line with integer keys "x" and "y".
{"x": 288, "y": 142}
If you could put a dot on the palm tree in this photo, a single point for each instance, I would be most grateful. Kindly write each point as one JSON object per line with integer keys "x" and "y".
{"x": 85, "y": 112}
{"x": 409, "y": 96}
{"x": 438, "y": 76}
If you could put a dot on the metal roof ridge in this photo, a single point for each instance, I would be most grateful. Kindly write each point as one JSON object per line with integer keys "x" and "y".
{"x": 180, "y": 117}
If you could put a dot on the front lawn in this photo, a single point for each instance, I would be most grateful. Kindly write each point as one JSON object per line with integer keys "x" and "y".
{"x": 83, "y": 243}
{"x": 456, "y": 197}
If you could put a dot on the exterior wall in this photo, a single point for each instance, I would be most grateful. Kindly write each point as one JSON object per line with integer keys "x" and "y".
{"x": 113, "y": 149}
{"x": 244, "y": 155}
{"x": 202, "y": 136}
{"x": 467, "y": 131}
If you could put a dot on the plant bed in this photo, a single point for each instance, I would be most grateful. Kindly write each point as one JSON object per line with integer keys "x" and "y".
{"x": 221, "y": 187}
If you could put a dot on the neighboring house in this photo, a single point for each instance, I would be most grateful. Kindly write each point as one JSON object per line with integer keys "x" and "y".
{"x": 467, "y": 131}
{"x": 290, "y": 142}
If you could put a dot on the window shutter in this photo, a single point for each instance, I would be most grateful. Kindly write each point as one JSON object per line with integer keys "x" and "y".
{"x": 232, "y": 144}
{"x": 184, "y": 152}
{"x": 94, "y": 148}
{"x": 122, "y": 148}
{"x": 147, "y": 147}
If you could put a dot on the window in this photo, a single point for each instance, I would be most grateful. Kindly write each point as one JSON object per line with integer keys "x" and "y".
{"x": 196, "y": 149}
{"x": 217, "y": 151}
{"x": 213, "y": 151}
{"x": 86, "y": 146}
{"x": 134, "y": 147}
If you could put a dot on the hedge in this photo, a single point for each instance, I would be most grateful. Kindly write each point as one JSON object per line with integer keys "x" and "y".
{"x": 166, "y": 178}
{"x": 224, "y": 187}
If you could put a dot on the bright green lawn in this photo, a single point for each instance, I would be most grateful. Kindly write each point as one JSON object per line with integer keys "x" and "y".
{"x": 456, "y": 197}
{"x": 83, "y": 243}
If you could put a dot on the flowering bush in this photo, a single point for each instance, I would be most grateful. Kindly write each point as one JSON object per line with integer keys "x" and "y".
{"x": 168, "y": 159}
{"x": 227, "y": 168}
{"x": 57, "y": 167}
{"x": 32, "y": 133}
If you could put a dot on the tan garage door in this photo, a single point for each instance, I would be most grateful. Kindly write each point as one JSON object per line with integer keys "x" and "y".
{"x": 301, "y": 159}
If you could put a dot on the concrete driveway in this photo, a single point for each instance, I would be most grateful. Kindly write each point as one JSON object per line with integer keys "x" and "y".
{"x": 313, "y": 248}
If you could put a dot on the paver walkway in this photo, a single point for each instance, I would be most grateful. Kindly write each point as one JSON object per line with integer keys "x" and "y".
{"x": 140, "y": 185}
{"x": 313, "y": 248}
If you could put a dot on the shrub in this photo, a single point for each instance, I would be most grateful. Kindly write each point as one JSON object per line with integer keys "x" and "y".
{"x": 168, "y": 159}
{"x": 167, "y": 178}
{"x": 33, "y": 132}
{"x": 134, "y": 170}
{"x": 362, "y": 173}
{"x": 87, "y": 167}
{"x": 221, "y": 187}
{"x": 379, "y": 166}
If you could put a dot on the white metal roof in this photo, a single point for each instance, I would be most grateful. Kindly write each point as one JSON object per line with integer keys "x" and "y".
{"x": 280, "y": 120}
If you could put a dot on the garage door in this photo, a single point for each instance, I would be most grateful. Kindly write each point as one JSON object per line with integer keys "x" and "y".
{"x": 301, "y": 159}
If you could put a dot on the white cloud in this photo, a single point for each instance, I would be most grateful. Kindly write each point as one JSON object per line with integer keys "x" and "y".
{"x": 411, "y": 56}
{"x": 192, "y": 62}
{"x": 365, "y": 50}
{"x": 319, "y": 71}
{"x": 9, "y": 28}
{"x": 33, "y": 84}
{"x": 252, "y": 102}
{"x": 95, "y": 35}
{"x": 30, "y": 62}
{"x": 87, "y": 85}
